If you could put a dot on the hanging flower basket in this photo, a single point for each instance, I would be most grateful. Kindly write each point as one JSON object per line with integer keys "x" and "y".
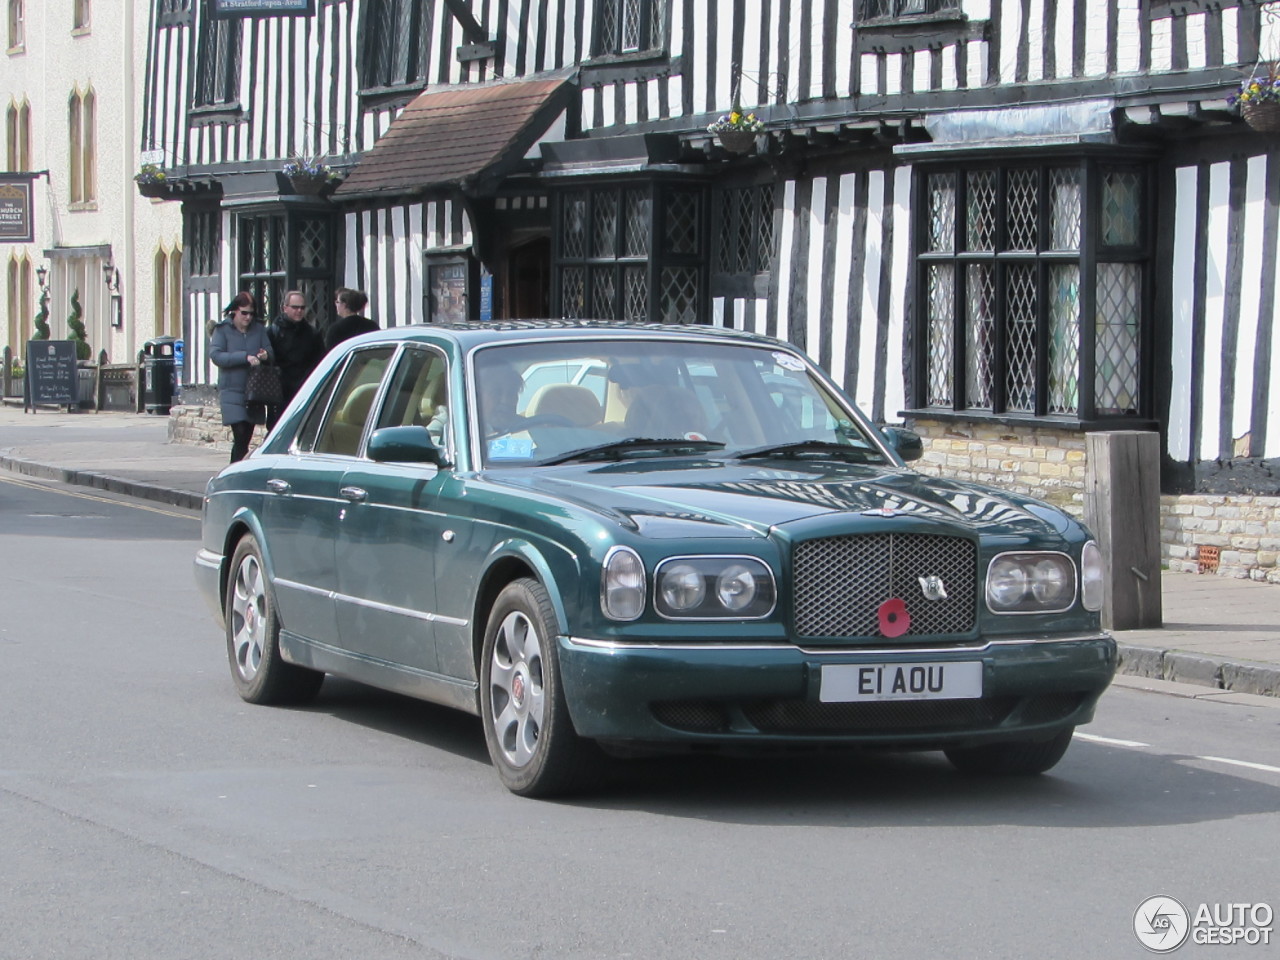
{"x": 1263, "y": 116}
{"x": 738, "y": 141}
{"x": 156, "y": 189}
{"x": 312, "y": 186}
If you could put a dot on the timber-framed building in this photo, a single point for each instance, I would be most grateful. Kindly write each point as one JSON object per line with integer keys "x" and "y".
{"x": 1007, "y": 223}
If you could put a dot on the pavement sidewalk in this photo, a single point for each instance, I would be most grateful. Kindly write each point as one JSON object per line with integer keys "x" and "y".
{"x": 1220, "y": 637}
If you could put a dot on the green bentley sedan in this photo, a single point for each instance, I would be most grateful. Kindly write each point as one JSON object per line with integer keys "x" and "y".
{"x": 610, "y": 538}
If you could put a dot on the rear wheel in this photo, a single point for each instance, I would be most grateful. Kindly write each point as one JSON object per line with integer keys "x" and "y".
{"x": 1019, "y": 757}
{"x": 531, "y": 739}
{"x": 253, "y": 636}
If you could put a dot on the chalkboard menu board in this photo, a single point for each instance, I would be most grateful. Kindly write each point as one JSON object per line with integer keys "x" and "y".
{"x": 51, "y": 373}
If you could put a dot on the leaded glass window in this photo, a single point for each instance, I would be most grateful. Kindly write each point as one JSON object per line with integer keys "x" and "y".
{"x": 632, "y": 252}
{"x": 1040, "y": 311}
{"x": 743, "y": 228}
{"x": 629, "y": 26}
{"x": 217, "y": 73}
{"x": 895, "y": 9}
{"x": 278, "y": 252}
{"x": 394, "y": 52}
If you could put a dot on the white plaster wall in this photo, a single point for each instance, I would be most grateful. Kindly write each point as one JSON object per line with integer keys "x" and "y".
{"x": 110, "y": 57}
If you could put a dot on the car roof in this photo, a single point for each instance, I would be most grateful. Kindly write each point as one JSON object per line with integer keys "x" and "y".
{"x": 468, "y": 336}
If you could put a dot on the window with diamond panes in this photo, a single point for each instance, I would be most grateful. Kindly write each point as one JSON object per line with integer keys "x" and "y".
{"x": 895, "y": 9}
{"x": 629, "y": 26}
{"x": 743, "y": 228}
{"x": 608, "y": 265}
{"x": 394, "y": 51}
{"x": 278, "y": 252}
{"x": 1012, "y": 261}
{"x": 217, "y": 71}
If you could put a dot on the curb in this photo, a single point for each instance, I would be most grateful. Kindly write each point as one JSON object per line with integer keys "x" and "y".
{"x": 1235, "y": 676}
{"x": 102, "y": 481}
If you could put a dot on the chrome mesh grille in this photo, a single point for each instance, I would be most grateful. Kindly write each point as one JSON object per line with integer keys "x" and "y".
{"x": 908, "y": 716}
{"x": 840, "y": 583}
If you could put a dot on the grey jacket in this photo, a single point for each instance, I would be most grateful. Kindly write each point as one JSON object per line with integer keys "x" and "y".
{"x": 229, "y": 350}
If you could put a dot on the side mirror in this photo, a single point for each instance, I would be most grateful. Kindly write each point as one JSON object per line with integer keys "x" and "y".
{"x": 906, "y": 443}
{"x": 404, "y": 445}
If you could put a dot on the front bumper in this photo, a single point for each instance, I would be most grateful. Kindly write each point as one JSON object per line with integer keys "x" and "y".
{"x": 208, "y": 570}
{"x": 767, "y": 694}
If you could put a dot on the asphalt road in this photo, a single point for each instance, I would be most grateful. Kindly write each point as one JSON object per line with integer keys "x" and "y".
{"x": 148, "y": 813}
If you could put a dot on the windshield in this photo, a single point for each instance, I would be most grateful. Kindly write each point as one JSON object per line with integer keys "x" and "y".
{"x": 550, "y": 401}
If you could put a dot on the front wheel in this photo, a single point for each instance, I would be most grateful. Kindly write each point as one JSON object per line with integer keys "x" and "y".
{"x": 531, "y": 739}
{"x": 253, "y": 636}
{"x": 1018, "y": 757}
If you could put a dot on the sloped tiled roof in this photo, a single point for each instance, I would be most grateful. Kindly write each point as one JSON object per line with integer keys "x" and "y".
{"x": 445, "y": 137}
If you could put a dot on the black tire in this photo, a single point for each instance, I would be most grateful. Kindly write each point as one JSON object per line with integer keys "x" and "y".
{"x": 527, "y": 728}
{"x": 1012, "y": 758}
{"x": 253, "y": 636}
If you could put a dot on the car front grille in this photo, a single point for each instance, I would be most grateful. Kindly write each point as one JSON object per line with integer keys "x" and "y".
{"x": 840, "y": 584}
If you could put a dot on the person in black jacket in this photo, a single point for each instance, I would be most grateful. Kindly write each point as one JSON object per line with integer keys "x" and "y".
{"x": 347, "y": 304}
{"x": 298, "y": 347}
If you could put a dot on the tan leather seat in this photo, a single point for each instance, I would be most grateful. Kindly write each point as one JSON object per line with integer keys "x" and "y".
{"x": 665, "y": 413}
{"x": 574, "y": 402}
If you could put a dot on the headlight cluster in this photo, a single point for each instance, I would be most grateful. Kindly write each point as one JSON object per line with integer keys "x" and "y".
{"x": 688, "y": 588}
{"x": 1031, "y": 583}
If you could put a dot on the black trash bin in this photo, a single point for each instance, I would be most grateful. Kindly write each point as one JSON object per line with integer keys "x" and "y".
{"x": 159, "y": 375}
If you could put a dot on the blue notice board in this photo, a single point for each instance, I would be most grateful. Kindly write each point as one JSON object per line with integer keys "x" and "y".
{"x": 486, "y": 296}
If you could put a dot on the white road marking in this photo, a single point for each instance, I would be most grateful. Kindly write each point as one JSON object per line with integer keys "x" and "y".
{"x": 1108, "y": 740}
{"x": 1242, "y": 763}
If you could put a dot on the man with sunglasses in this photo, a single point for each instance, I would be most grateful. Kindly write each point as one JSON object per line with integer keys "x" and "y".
{"x": 298, "y": 347}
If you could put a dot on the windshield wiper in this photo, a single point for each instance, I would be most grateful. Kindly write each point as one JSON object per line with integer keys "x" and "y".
{"x": 617, "y": 449}
{"x": 825, "y": 447}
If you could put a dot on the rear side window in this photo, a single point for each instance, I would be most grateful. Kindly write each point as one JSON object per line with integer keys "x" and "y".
{"x": 353, "y": 403}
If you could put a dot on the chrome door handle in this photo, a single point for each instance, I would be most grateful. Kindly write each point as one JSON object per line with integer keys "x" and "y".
{"x": 355, "y": 494}
{"x": 278, "y": 486}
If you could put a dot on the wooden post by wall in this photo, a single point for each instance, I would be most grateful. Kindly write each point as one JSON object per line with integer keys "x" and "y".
{"x": 1122, "y": 508}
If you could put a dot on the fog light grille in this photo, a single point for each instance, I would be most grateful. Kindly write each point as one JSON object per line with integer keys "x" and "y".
{"x": 906, "y": 716}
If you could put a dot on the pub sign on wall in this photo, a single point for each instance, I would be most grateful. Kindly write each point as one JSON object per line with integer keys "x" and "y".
{"x": 261, "y": 8}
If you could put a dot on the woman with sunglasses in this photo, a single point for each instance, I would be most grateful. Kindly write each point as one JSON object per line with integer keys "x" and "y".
{"x": 239, "y": 343}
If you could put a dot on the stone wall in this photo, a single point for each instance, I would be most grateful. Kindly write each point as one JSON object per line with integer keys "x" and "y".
{"x": 1231, "y": 536}
{"x": 200, "y": 425}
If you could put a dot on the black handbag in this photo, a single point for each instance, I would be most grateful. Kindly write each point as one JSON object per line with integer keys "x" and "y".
{"x": 263, "y": 385}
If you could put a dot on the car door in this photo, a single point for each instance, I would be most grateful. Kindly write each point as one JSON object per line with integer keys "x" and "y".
{"x": 304, "y": 503}
{"x": 391, "y": 529}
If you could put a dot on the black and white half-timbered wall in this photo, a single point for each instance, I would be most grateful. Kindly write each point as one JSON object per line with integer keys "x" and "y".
{"x": 1005, "y": 222}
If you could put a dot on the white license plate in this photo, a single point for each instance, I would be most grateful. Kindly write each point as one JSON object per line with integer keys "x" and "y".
{"x": 848, "y": 682}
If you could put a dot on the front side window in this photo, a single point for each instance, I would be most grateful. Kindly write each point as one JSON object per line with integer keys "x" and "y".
{"x": 217, "y": 74}
{"x": 394, "y": 51}
{"x": 629, "y": 26}
{"x": 352, "y": 405}
{"x": 632, "y": 252}
{"x": 82, "y": 126}
{"x": 904, "y": 9}
{"x": 1033, "y": 283}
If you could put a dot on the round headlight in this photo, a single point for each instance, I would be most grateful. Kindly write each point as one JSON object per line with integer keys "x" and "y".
{"x": 736, "y": 587}
{"x": 1006, "y": 584}
{"x": 622, "y": 587}
{"x": 1051, "y": 582}
{"x": 682, "y": 586}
